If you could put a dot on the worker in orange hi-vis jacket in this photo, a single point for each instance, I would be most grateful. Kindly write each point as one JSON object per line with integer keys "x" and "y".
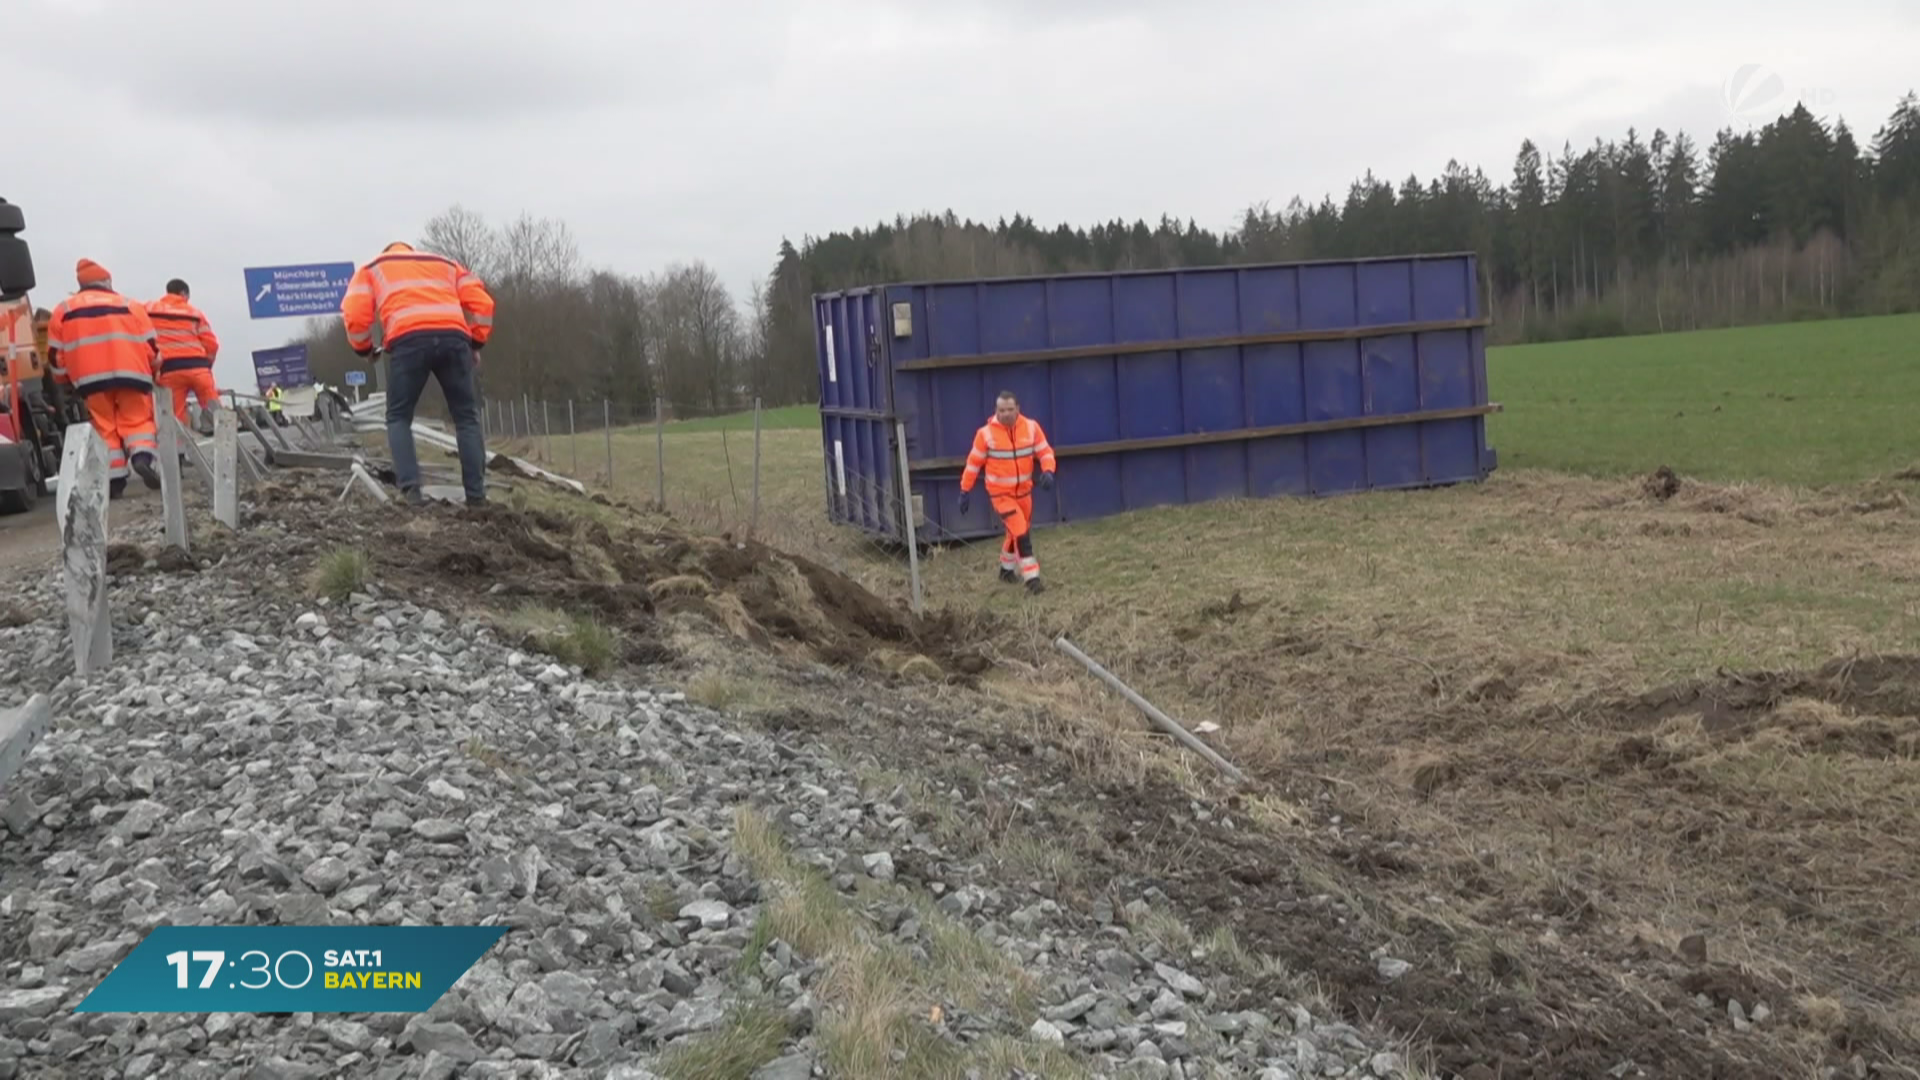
{"x": 1013, "y": 453}
{"x": 436, "y": 316}
{"x": 103, "y": 345}
{"x": 188, "y": 348}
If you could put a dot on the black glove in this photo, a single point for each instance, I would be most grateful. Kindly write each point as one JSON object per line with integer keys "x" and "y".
{"x": 363, "y": 353}
{"x": 477, "y": 344}
{"x": 964, "y": 497}
{"x": 1046, "y": 480}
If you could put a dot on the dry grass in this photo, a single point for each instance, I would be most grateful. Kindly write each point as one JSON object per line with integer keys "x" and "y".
{"x": 569, "y": 637}
{"x": 750, "y": 1036}
{"x": 882, "y": 1006}
{"x": 339, "y": 573}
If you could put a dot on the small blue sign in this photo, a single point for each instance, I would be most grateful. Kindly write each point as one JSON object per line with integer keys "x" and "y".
{"x": 356, "y": 378}
{"x": 275, "y": 292}
{"x": 286, "y": 365}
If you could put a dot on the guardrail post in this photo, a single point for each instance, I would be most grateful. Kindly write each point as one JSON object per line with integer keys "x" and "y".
{"x": 172, "y": 499}
{"x": 226, "y": 468}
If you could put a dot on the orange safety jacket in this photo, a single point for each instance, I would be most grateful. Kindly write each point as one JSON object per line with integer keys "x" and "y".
{"x": 187, "y": 341}
{"x": 1007, "y": 456}
{"x": 413, "y": 291}
{"x": 99, "y": 340}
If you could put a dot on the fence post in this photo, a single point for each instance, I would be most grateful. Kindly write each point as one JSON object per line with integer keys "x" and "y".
{"x": 606, "y": 413}
{"x": 546, "y": 421}
{"x": 906, "y": 513}
{"x": 573, "y": 439}
{"x": 526, "y": 410}
{"x": 753, "y": 522}
{"x": 660, "y": 452}
{"x": 226, "y": 468}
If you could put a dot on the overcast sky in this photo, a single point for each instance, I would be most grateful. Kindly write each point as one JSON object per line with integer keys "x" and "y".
{"x": 197, "y": 138}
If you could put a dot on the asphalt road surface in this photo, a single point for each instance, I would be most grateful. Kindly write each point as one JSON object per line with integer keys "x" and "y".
{"x": 35, "y": 536}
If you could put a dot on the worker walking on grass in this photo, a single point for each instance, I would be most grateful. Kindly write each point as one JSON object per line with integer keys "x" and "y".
{"x": 436, "y": 315}
{"x": 1014, "y": 454}
{"x": 103, "y": 345}
{"x": 188, "y": 348}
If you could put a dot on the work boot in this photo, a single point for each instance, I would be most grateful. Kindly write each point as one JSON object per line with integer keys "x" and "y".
{"x": 1034, "y": 587}
{"x": 143, "y": 464}
{"x": 414, "y": 497}
{"x": 1009, "y": 576}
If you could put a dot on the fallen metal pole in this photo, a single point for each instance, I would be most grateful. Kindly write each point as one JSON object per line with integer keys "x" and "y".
{"x": 1161, "y": 720}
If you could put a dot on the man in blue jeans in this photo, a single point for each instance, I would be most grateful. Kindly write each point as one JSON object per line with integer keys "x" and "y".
{"x": 451, "y": 359}
{"x": 437, "y": 316}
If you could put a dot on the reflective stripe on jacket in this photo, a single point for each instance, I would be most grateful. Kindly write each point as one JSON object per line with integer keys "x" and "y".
{"x": 1008, "y": 457}
{"x": 101, "y": 340}
{"x": 186, "y": 339}
{"x": 412, "y": 291}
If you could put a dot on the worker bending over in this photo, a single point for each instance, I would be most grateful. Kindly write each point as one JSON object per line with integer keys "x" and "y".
{"x": 436, "y": 316}
{"x": 188, "y": 348}
{"x": 1007, "y": 448}
{"x": 103, "y": 345}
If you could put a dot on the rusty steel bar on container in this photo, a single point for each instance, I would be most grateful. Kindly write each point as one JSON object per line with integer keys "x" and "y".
{"x": 1161, "y": 720}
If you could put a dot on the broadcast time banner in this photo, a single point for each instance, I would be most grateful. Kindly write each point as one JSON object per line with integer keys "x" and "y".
{"x": 289, "y": 969}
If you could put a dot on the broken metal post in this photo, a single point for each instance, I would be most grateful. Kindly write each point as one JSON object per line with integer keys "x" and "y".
{"x": 1161, "y": 720}
{"x": 82, "y": 514}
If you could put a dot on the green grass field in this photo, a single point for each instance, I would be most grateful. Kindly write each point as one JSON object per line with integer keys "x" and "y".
{"x": 1803, "y": 403}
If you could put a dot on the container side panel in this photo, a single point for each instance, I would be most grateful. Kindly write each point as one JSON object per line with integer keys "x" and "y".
{"x": 832, "y": 390}
{"x": 1152, "y": 477}
{"x": 872, "y": 329}
{"x": 1336, "y": 459}
{"x": 1086, "y": 402}
{"x": 1386, "y": 292}
{"x": 1013, "y": 316}
{"x": 1277, "y": 466}
{"x": 1270, "y": 300}
{"x": 953, "y": 320}
{"x": 1452, "y": 447}
{"x": 1392, "y": 385}
{"x": 961, "y": 407}
{"x": 1209, "y": 303}
{"x": 1149, "y": 395}
{"x": 1211, "y": 390}
{"x": 1216, "y": 471}
{"x": 1276, "y": 390}
{"x": 1143, "y": 308}
{"x": 1089, "y": 487}
{"x": 1327, "y": 298}
{"x": 1082, "y": 312}
{"x": 1032, "y": 386}
{"x": 1442, "y": 290}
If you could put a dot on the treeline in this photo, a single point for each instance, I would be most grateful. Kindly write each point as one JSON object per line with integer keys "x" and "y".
{"x": 1795, "y": 220}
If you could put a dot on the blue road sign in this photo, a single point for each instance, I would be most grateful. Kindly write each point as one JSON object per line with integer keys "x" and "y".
{"x": 356, "y": 378}
{"x": 286, "y": 365}
{"x": 275, "y": 292}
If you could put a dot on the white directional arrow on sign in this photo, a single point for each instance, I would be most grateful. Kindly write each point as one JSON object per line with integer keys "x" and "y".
{"x": 264, "y": 290}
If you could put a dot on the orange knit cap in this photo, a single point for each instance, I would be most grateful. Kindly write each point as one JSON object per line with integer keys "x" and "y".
{"x": 91, "y": 273}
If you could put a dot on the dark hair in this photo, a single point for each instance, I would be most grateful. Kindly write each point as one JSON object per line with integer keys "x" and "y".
{"x": 1009, "y": 395}
{"x": 177, "y": 287}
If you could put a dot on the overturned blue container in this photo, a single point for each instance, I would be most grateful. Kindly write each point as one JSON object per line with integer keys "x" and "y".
{"x": 1155, "y": 387}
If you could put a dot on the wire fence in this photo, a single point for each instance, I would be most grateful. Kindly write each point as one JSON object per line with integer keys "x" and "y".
{"x": 757, "y": 472}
